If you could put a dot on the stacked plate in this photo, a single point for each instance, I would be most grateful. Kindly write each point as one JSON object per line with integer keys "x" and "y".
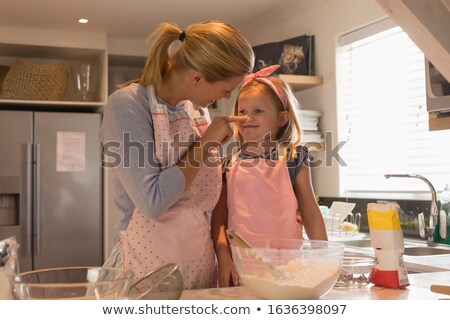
{"x": 309, "y": 121}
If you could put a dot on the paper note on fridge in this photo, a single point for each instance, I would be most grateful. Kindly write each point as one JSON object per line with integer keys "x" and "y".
{"x": 341, "y": 209}
{"x": 70, "y": 151}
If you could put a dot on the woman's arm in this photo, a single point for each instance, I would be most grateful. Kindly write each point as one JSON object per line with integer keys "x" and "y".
{"x": 219, "y": 224}
{"x": 311, "y": 216}
{"x": 127, "y": 137}
{"x": 218, "y": 132}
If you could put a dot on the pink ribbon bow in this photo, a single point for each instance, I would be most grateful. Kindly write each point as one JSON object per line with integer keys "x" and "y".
{"x": 261, "y": 76}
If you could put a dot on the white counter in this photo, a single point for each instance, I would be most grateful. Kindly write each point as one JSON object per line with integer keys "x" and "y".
{"x": 419, "y": 289}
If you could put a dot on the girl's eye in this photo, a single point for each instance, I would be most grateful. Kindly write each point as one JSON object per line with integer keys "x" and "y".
{"x": 259, "y": 111}
{"x": 242, "y": 112}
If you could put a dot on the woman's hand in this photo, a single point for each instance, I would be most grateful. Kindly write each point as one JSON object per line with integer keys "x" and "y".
{"x": 220, "y": 131}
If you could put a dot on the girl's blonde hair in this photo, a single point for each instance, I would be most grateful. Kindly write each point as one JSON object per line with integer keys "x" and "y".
{"x": 214, "y": 48}
{"x": 288, "y": 136}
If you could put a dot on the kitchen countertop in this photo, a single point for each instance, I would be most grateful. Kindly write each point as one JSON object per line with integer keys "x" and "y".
{"x": 419, "y": 289}
{"x": 432, "y": 270}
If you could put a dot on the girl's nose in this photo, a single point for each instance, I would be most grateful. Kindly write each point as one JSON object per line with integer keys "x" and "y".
{"x": 250, "y": 118}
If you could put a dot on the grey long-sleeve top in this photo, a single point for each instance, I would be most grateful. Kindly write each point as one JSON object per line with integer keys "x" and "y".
{"x": 137, "y": 180}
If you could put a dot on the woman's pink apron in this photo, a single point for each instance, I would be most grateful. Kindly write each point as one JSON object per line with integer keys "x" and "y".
{"x": 181, "y": 235}
{"x": 261, "y": 201}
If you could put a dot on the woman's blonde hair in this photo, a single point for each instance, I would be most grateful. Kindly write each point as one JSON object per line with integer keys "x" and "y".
{"x": 288, "y": 136}
{"x": 214, "y": 48}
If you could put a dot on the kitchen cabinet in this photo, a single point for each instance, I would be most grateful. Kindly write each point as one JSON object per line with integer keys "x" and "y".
{"x": 43, "y": 48}
{"x": 123, "y": 68}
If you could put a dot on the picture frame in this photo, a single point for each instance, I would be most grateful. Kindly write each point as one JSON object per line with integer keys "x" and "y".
{"x": 295, "y": 55}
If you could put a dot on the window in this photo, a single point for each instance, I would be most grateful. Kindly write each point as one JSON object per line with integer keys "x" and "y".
{"x": 383, "y": 116}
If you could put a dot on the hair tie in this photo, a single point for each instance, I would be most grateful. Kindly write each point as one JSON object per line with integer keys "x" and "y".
{"x": 261, "y": 76}
{"x": 182, "y": 36}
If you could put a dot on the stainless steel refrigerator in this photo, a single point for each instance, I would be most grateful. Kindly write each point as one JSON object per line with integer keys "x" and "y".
{"x": 51, "y": 187}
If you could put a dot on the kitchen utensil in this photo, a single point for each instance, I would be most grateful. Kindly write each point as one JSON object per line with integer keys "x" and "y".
{"x": 83, "y": 283}
{"x": 164, "y": 283}
{"x": 440, "y": 289}
{"x": 310, "y": 267}
{"x": 241, "y": 242}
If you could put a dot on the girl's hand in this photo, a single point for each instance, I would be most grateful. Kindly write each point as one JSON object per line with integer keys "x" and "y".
{"x": 228, "y": 276}
{"x": 220, "y": 131}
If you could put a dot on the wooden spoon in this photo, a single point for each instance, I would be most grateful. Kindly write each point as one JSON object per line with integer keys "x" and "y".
{"x": 440, "y": 289}
{"x": 241, "y": 242}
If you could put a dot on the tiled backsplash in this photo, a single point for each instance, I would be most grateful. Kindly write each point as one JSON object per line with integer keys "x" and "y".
{"x": 409, "y": 209}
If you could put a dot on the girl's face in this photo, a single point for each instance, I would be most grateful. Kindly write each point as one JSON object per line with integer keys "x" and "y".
{"x": 264, "y": 119}
{"x": 206, "y": 93}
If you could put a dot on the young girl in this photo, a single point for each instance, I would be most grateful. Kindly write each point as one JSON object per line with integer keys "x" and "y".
{"x": 268, "y": 180}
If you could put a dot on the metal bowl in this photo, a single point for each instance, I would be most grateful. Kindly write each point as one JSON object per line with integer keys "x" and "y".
{"x": 163, "y": 283}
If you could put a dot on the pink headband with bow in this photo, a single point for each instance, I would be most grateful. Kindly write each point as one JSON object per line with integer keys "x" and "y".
{"x": 261, "y": 76}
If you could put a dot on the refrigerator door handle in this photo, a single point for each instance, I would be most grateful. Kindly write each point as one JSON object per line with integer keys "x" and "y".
{"x": 29, "y": 188}
{"x": 37, "y": 198}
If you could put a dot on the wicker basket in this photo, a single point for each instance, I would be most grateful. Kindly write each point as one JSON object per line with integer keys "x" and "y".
{"x": 3, "y": 71}
{"x": 29, "y": 81}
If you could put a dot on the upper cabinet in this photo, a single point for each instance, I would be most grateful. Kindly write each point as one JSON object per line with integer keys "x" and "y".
{"x": 427, "y": 23}
{"x": 69, "y": 51}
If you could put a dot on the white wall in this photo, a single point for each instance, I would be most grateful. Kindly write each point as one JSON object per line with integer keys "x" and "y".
{"x": 326, "y": 20}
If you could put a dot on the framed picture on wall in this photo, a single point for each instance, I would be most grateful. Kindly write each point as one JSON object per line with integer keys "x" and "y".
{"x": 294, "y": 55}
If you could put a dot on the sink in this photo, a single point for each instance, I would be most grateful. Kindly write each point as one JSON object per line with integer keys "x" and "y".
{"x": 425, "y": 251}
{"x": 364, "y": 243}
{"x": 411, "y": 248}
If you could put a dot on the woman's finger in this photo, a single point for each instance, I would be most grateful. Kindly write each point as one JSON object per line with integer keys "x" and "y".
{"x": 230, "y": 119}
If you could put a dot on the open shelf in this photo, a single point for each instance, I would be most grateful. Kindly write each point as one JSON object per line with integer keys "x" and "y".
{"x": 298, "y": 82}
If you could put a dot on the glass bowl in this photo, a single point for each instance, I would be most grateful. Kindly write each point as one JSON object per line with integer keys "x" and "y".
{"x": 289, "y": 269}
{"x": 355, "y": 271}
{"x": 80, "y": 283}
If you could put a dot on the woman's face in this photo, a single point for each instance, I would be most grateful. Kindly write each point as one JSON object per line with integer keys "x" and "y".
{"x": 264, "y": 119}
{"x": 206, "y": 93}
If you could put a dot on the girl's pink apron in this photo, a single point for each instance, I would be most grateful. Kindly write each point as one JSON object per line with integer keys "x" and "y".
{"x": 261, "y": 200}
{"x": 181, "y": 235}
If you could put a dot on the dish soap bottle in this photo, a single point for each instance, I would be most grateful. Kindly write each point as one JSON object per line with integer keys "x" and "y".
{"x": 444, "y": 214}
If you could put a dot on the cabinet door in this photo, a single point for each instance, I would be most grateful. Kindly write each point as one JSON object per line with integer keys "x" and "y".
{"x": 15, "y": 181}
{"x": 68, "y": 193}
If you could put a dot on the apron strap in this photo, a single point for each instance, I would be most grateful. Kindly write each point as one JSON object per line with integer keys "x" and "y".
{"x": 151, "y": 96}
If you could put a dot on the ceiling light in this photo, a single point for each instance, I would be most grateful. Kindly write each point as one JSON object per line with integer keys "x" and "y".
{"x": 83, "y": 20}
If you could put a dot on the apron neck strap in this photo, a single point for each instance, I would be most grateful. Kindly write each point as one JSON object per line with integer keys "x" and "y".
{"x": 151, "y": 95}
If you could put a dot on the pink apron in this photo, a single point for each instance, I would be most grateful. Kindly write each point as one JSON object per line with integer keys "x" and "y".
{"x": 181, "y": 235}
{"x": 261, "y": 201}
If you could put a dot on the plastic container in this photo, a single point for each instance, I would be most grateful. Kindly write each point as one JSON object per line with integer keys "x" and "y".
{"x": 445, "y": 200}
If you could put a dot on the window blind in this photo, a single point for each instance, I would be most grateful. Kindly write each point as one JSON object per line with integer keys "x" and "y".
{"x": 382, "y": 116}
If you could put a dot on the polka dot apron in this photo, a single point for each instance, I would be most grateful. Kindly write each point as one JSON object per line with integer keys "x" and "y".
{"x": 181, "y": 235}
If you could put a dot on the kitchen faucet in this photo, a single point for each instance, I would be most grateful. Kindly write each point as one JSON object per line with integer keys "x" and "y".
{"x": 433, "y": 208}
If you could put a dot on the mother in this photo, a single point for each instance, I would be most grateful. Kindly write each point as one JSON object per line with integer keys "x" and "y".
{"x": 158, "y": 131}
